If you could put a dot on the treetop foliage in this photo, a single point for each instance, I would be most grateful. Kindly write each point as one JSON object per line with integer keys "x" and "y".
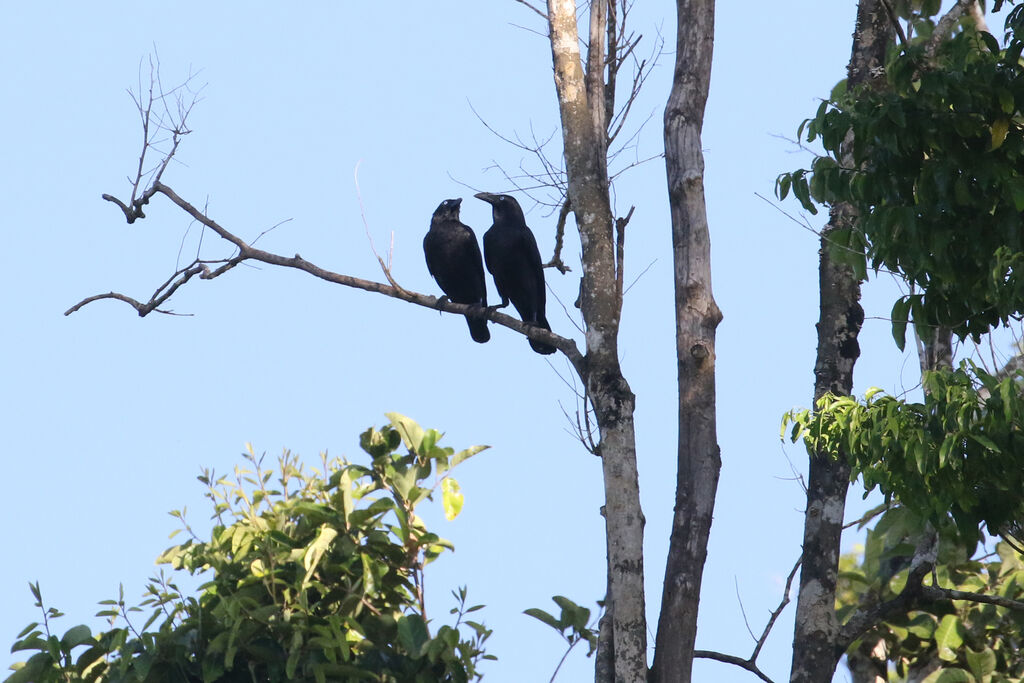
{"x": 956, "y": 457}
{"x": 933, "y": 163}
{"x": 311, "y": 576}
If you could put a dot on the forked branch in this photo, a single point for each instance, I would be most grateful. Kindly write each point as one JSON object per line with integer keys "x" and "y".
{"x": 160, "y": 117}
{"x": 247, "y": 252}
{"x": 750, "y": 663}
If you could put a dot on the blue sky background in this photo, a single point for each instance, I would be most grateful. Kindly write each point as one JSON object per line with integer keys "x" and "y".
{"x": 108, "y": 417}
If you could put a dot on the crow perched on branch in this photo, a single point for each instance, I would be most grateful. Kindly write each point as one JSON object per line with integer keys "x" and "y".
{"x": 512, "y": 257}
{"x": 453, "y": 258}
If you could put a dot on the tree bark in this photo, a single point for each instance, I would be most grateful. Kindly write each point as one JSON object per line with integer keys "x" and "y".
{"x": 583, "y": 137}
{"x": 697, "y": 317}
{"x": 816, "y": 649}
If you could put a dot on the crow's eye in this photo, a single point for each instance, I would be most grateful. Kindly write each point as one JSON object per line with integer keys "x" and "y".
{"x": 501, "y": 198}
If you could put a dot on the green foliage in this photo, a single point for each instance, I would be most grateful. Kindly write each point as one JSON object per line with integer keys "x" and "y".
{"x": 933, "y": 163}
{"x": 972, "y": 641}
{"x": 958, "y": 455}
{"x": 575, "y": 619}
{"x": 309, "y": 577}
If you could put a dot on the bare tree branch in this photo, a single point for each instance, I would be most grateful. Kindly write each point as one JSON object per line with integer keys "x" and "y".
{"x": 934, "y": 593}
{"x": 895, "y": 22}
{"x": 734, "y": 660}
{"x": 247, "y": 252}
{"x": 750, "y": 663}
{"x": 921, "y": 564}
{"x": 945, "y": 26}
{"x": 556, "y": 258}
{"x": 524, "y": 2}
{"x": 620, "y": 253}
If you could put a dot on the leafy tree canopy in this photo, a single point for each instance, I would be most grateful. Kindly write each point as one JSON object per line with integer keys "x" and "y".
{"x": 311, "y": 576}
{"x": 957, "y": 640}
{"x": 933, "y": 164}
{"x": 956, "y": 457}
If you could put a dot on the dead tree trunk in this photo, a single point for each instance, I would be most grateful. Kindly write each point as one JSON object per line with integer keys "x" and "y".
{"x": 816, "y": 649}
{"x": 697, "y": 317}
{"x": 583, "y": 138}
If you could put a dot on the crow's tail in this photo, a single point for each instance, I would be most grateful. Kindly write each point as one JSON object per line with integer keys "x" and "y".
{"x": 478, "y": 329}
{"x": 541, "y": 347}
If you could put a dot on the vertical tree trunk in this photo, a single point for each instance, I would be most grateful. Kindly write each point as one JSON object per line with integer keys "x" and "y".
{"x": 697, "y": 317}
{"x": 613, "y": 401}
{"x": 815, "y": 649}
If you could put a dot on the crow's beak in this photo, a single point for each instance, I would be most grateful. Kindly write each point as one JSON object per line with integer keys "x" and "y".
{"x": 487, "y": 197}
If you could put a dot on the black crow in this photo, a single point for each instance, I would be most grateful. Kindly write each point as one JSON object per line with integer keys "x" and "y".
{"x": 512, "y": 257}
{"x": 453, "y": 258}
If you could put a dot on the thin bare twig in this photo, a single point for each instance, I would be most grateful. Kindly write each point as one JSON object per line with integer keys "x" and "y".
{"x": 639, "y": 275}
{"x": 386, "y": 268}
{"x": 542, "y": 14}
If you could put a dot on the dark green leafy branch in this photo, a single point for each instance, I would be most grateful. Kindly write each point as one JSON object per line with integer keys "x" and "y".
{"x": 937, "y": 178}
{"x": 965, "y": 618}
{"x": 310, "y": 576}
{"x": 957, "y": 457}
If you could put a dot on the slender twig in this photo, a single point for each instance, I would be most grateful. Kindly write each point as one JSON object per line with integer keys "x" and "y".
{"x": 777, "y": 611}
{"x": 640, "y": 275}
{"x": 542, "y": 14}
{"x": 561, "y": 661}
{"x": 386, "y": 268}
{"x": 895, "y": 21}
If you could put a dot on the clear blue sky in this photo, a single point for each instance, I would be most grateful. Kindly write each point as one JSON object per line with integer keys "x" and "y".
{"x": 108, "y": 417}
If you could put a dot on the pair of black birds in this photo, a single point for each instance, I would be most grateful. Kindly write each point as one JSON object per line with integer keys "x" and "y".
{"x": 511, "y": 254}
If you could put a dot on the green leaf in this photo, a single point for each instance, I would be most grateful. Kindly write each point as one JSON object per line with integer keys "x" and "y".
{"x": 28, "y": 629}
{"x": 412, "y": 433}
{"x": 991, "y": 44}
{"x": 316, "y": 550}
{"x": 982, "y": 664}
{"x": 949, "y": 638}
{"x": 922, "y": 626}
{"x": 900, "y": 316}
{"x": 949, "y": 676}
{"x": 75, "y": 636}
{"x": 462, "y": 456}
{"x": 413, "y": 635}
{"x": 986, "y": 442}
{"x": 369, "y": 580}
{"x": 999, "y": 129}
{"x": 543, "y": 616}
{"x": 782, "y": 185}
{"x": 451, "y": 498}
{"x": 1016, "y": 186}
